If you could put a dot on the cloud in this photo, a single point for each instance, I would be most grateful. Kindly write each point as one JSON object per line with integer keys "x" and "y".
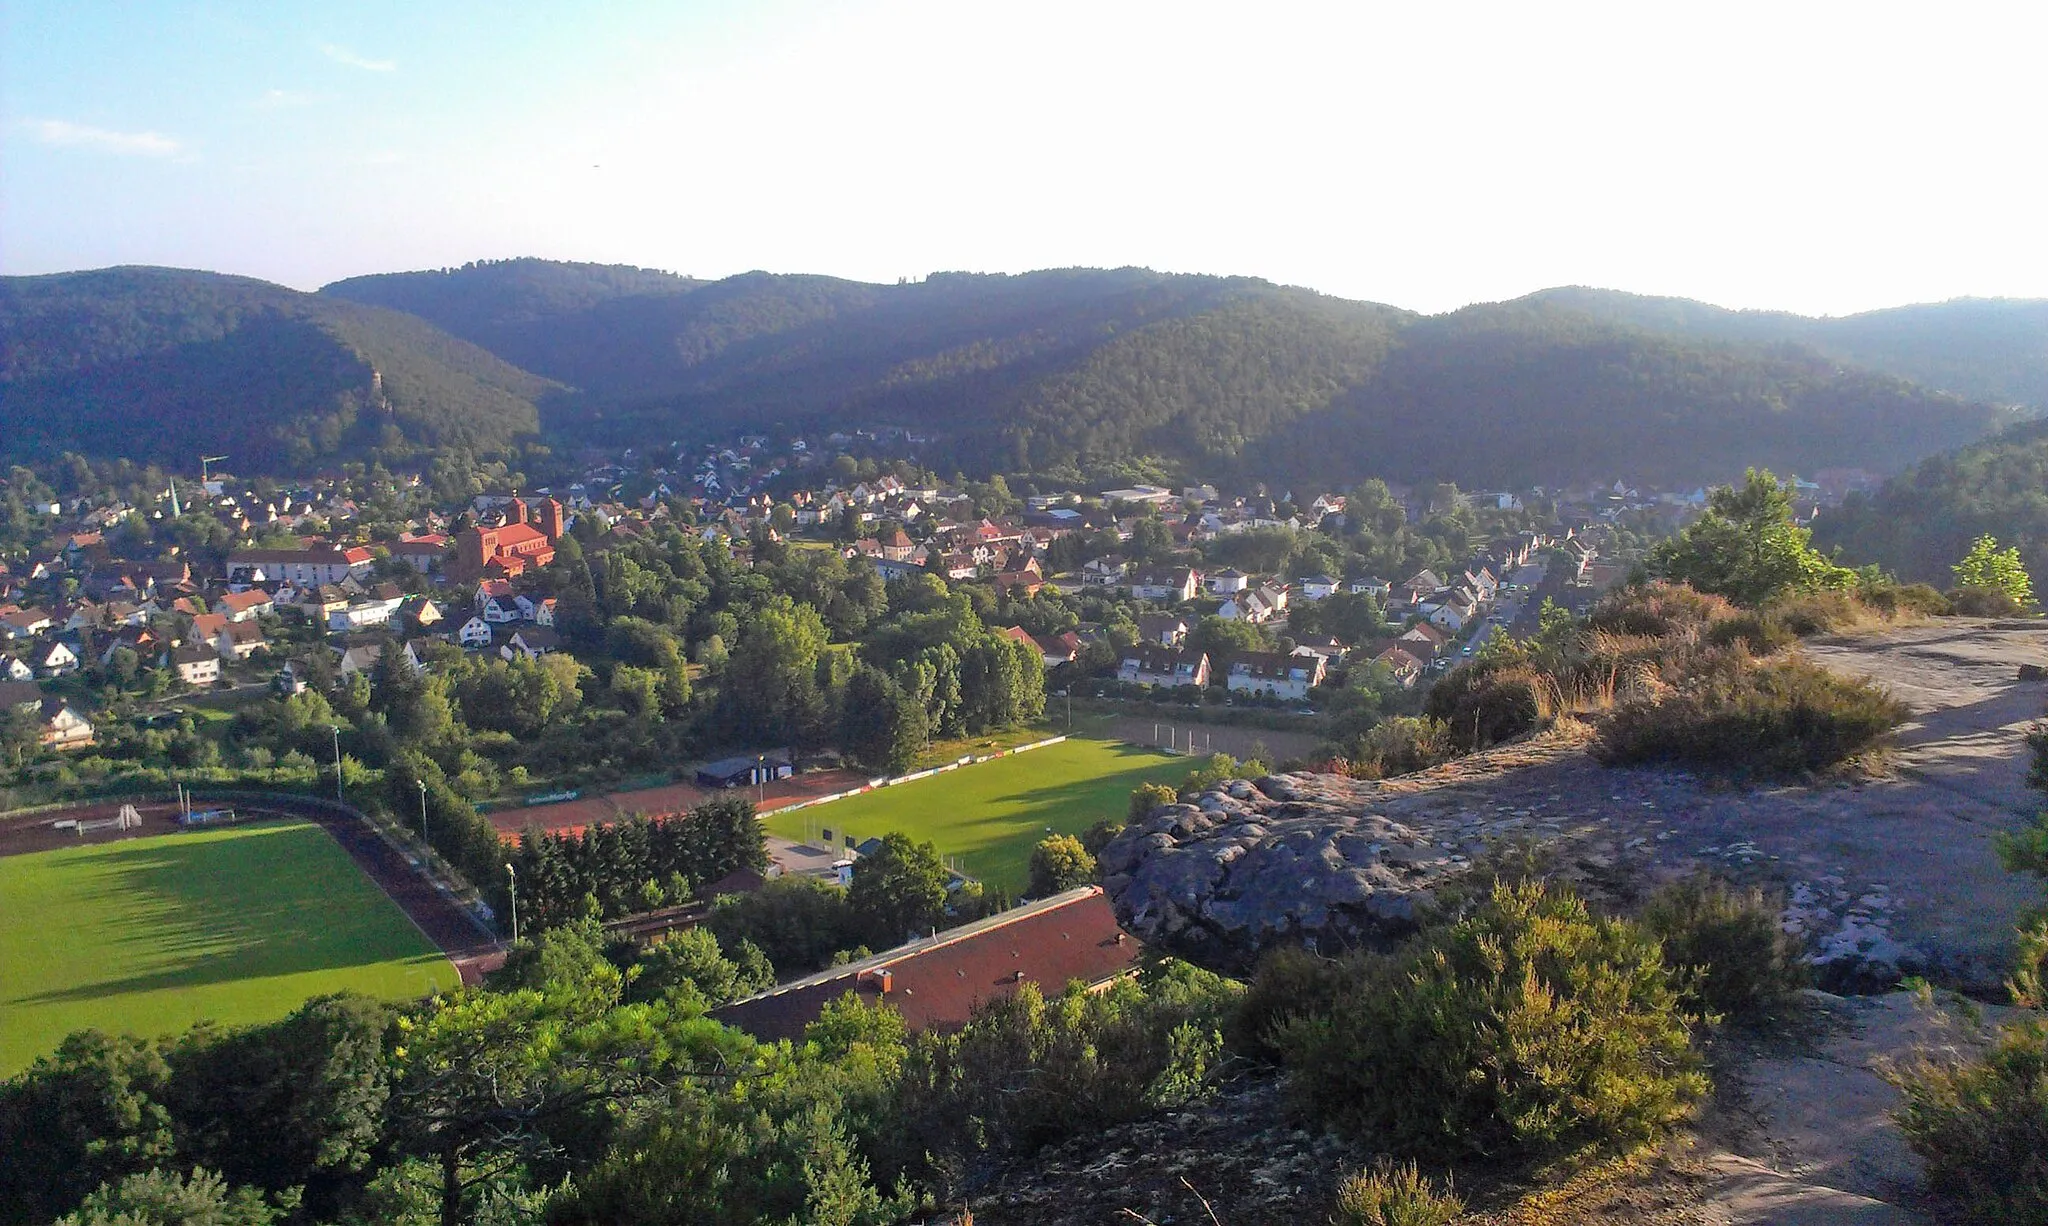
{"x": 280, "y": 99}
{"x": 342, "y": 55}
{"x": 65, "y": 134}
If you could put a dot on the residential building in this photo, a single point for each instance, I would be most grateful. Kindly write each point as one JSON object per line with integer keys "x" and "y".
{"x": 244, "y": 606}
{"x": 196, "y": 663}
{"x": 1269, "y": 672}
{"x": 62, "y": 727}
{"x": 1167, "y": 666}
{"x": 308, "y": 567}
{"x": 1163, "y": 629}
{"x": 1175, "y": 584}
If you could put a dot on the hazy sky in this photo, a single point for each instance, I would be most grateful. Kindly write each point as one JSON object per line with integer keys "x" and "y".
{"x": 1817, "y": 157}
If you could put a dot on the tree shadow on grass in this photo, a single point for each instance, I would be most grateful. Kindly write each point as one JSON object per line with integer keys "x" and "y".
{"x": 268, "y": 901}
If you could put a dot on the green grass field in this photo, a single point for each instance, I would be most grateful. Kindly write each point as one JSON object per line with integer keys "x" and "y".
{"x": 151, "y": 935}
{"x": 992, "y": 814}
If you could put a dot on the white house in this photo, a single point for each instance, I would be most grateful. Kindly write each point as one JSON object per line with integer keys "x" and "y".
{"x": 56, "y": 660}
{"x": 363, "y": 614}
{"x": 1143, "y": 665}
{"x": 476, "y": 632}
{"x": 197, "y": 664}
{"x": 1225, "y": 582}
{"x": 1316, "y": 587}
{"x": 1283, "y": 676}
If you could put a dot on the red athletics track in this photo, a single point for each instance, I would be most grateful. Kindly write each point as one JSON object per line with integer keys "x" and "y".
{"x": 445, "y": 922}
{"x": 572, "y": 816}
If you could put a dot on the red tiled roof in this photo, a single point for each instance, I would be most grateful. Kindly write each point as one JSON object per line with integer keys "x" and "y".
{"x": 937, "y": 982}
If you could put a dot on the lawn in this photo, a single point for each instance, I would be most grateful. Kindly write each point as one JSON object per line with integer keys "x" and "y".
{"x": 991, "y": 814}
{"x": 151, "y": 935}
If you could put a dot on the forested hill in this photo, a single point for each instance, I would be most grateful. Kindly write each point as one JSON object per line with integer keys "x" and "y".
{"x": 1924, "y": 519}
{"x": 1084, "y": 369}
{"x": 1991, "y": 349}
{"x": 1522, "y": 392}
{"x": 163, "y": 364}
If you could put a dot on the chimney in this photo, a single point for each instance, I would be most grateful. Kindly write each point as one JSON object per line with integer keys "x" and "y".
{"x": 884, "y": 980}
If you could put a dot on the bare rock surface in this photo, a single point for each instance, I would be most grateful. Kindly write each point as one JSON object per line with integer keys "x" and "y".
{"x": 1884, "y": 877}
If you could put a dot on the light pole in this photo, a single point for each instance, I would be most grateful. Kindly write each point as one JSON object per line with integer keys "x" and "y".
{"x": 760, "y": 780}
{"x": 513, "y": 878}
{"x": 423, "y": 814}
{"x": 336, "y": 729}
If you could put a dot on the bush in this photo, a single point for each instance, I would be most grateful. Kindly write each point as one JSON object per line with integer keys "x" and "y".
{"x": 1290, "y": 983}
{"x": 1756, "y": 633}
{"x": 1149, "y": 796}
{"x": 1813, "y": 613}
{"x": 1984, "y": 602}
{"x": 1781, "y": 716}
{"x": 1659, "y": 610}
{"x": 1530, "y": 1027}
{"x": 1982, "y": 1126}
{"x": 1401, "y": 746}
{"x": 1484, "y": 704}
{"x": 1059, "y": 862}
{"x": 1732, "y": 956}
{"x": 1912, "y": 599}
{"x": 1391, "y": 1195}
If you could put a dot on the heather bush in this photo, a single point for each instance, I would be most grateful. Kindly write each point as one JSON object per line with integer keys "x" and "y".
{"x": 1981, "y": 1126}
{"x": 1401, "y": 746}
{"x": 1984, "y": 602}
{"x": 1486, "y": 703}
{"x": 1907, "y": 600}
{"x": 1727, "y": 947}
{"x": 1389, "y": 1194}
{"x": 1291, "y": 982}
{"x": 1780, "y": 716}
{"x": 1530, "y": 1027}
{"x": 1147, "y": 797}
{"x": 1658, "y": 610}
{"x": 1756, "y": 633}
{"x": 1811, "y": 613}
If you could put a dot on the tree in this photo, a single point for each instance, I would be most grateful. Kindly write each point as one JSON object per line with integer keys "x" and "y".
{"x": 770, "y": 685}
{"x": 692, "y": 961}
{"x": 899, "y": 890}
{"x": 1986, "y": 566}
{"x": 1747, "y": 546}
{"x": 485, "y": 1082}
{"x": 1060, "y": 862}
{"x": 87, "y": 1114}
{"x": 881, "y": 726}
{"x": 166, "y": 1198}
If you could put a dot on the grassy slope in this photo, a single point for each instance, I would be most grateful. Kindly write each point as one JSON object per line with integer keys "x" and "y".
{"x": 151, "y": 935}
{"x": 993, "y": 813}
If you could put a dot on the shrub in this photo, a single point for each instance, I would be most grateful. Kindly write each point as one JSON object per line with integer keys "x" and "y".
{"x": 1401, "y": 746}
{"x": 1291, "y": 982}
{"x": 1984, "y": 602}
{"x": 1059, "y": 862}
{"x": 1393, "y": 1195}
{"x": 1912, "y": 599}
{"x": 1756, "y": 633}
{"x": 1218, "y": 769}
{"x": 1982, "y": 1125}
{"x": 1147, "y": 797}
{"x": 1659, "y": 610}
{"x": 1811, "y": 613}
{"x": 1484, "y": 704}
{"x": 1780, "y": 716}
{"x": 1732, "y": 956}
{"x": 1530, "y": 1027}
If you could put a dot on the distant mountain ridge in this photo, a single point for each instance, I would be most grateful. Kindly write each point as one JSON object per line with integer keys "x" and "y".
{"x": 161, "y": 364}
{"x": 1990, "y": 349}
{"x": 1067, "y": 368}
{"x": 1062, "y": 372}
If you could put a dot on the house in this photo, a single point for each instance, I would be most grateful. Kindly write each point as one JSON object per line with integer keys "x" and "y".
{"x": 1405, "y": 660}
{"x": 14, "y": 669}
{"x": 299, "y": 567}
{"x": 428, "y": 613}
{"x": 1454, "y": 612}
{"x": 1163, "y": 666}
{"x": 18, "y": 624}
{"x": 1225, "y": 582}
{"x": 1427, "y": 640}
{"x": 936, "y": 982}
{"x": 476, "y": 632}
{"x": 533, "y": 642}
{"x": 1418, "y": 588}
{"x": 244, "y": 606}
{"x": 196, "y": 663}
{"x": 240, "y": 640}
{"x": 55, "y": 660}
{"x": 1257, "y": 607}
{"x": 1020, "y": 578}
{"x": 363, "y": 614}
{"x": 360, "y": 658}
{"x": 62, "y": 727}
{"x": 746, "y": 770}
{"x": 19, "y": 695}
{"x": 426, "y": 553}
{"x": 1164, "y": 629}
{"x": 1109, "y": 570}
{"x": 1371, "y": 585}
{"x": 1174, "y": 584}
{"x": 1316, "y": 587}
{"x": 1269, "y": 672}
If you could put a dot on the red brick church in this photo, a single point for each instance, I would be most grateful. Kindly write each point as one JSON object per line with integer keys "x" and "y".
{"x": 526, "y": 541}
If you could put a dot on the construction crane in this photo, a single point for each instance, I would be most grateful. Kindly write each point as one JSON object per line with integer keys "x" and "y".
{"x": 204, "y": 461}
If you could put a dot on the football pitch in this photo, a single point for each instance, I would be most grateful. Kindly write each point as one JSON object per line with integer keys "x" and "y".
{"x": 234, "y": 925}
{"x": 991, "y": 814}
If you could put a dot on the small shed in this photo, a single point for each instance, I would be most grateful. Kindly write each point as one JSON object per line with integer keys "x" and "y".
{"x": 746, "y": 770}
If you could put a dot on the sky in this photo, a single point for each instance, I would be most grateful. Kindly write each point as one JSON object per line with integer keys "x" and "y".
{"x": 1823, "y": 158}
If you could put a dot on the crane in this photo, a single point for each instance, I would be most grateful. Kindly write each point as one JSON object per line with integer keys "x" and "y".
{"x": 204, "y": 461}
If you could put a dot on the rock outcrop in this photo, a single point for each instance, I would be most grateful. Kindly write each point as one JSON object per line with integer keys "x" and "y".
{"x": 1281, "y": 861}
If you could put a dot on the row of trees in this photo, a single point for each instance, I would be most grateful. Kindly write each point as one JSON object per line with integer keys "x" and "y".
{"x": 640, "y": 863}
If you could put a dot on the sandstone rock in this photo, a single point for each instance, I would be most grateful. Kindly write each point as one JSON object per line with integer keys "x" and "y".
{"x": 1244, "y": 869}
